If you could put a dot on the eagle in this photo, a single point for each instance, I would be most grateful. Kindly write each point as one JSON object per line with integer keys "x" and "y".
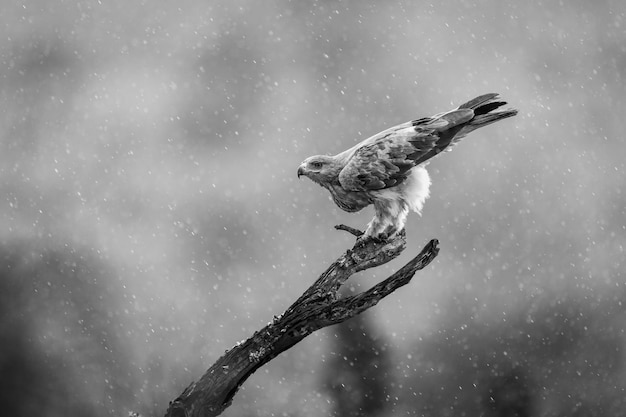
{"x": 388, "y": 170}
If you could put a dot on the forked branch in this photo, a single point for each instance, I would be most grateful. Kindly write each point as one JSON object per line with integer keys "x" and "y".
{"x": 320, "y": 306}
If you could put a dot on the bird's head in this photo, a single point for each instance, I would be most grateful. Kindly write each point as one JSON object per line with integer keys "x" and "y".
{"x": 321, "y": 169}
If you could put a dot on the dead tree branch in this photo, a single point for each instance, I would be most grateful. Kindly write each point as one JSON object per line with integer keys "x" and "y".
{"x": 320, "y": 306}
{"x": 351, "y": 230}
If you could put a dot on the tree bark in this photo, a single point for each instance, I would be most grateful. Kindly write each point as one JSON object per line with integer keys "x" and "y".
{"x": 320, "y": 306}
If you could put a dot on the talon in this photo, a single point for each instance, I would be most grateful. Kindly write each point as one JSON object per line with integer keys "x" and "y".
{"x": 364, "y": 240}
{"x": 361, "y": 241}
{"x": 382, "y": 238}
{"x": 379, "y": 239}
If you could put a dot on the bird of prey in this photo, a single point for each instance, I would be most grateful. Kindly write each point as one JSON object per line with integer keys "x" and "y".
{"x": 388, "y": 169}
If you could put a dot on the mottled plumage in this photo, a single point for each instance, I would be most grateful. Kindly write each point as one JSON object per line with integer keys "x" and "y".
{"x": 387, "y": 169}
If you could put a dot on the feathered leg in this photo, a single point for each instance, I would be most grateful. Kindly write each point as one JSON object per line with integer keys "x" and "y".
{"x": 389, "y": 219}
{"x": 391, "y": 207}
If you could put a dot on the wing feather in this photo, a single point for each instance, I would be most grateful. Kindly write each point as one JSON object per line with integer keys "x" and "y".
{"x": 385, "y": 159}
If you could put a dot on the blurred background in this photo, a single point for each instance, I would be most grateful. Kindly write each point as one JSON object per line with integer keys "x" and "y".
{"x": 151, "y": 217}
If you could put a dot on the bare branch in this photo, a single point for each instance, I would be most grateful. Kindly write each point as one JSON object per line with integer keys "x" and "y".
{"x": 351, "y": 230}
{"x": 359, "y": 303}
{"x": 319, "y": 306}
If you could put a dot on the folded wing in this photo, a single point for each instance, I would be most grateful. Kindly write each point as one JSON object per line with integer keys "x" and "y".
{"x": 384, "y": 160}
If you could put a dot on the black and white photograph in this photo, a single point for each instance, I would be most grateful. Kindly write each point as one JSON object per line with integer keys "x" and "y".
{"x": 290, "y": 208}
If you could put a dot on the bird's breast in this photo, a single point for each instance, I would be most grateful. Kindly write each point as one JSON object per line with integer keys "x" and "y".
{"x": 350, "y": 201}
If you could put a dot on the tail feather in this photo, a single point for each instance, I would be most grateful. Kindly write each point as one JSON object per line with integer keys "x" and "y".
{"x": 483, "y": 106}
{"x": 488, "y": 118}
{"x": 484, "y": 114}
{"x": 475, "y": 102}
{"x": 487, "y": 107}
{"x": 468, "y": 117}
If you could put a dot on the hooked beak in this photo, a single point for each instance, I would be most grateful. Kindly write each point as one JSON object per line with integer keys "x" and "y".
{"x": 301, "y": 171}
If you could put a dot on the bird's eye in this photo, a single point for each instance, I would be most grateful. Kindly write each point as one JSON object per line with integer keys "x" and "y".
{"x": 316, "y": 165}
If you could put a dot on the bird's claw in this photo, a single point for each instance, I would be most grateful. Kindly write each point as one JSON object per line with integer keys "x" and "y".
{"x": 364, "y": 240}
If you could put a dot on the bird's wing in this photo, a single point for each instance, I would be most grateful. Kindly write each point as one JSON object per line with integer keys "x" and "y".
{"x": 384, "y": 160}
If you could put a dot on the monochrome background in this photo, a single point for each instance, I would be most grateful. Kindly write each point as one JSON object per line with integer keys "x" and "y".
{"x": 151, "y": 216}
